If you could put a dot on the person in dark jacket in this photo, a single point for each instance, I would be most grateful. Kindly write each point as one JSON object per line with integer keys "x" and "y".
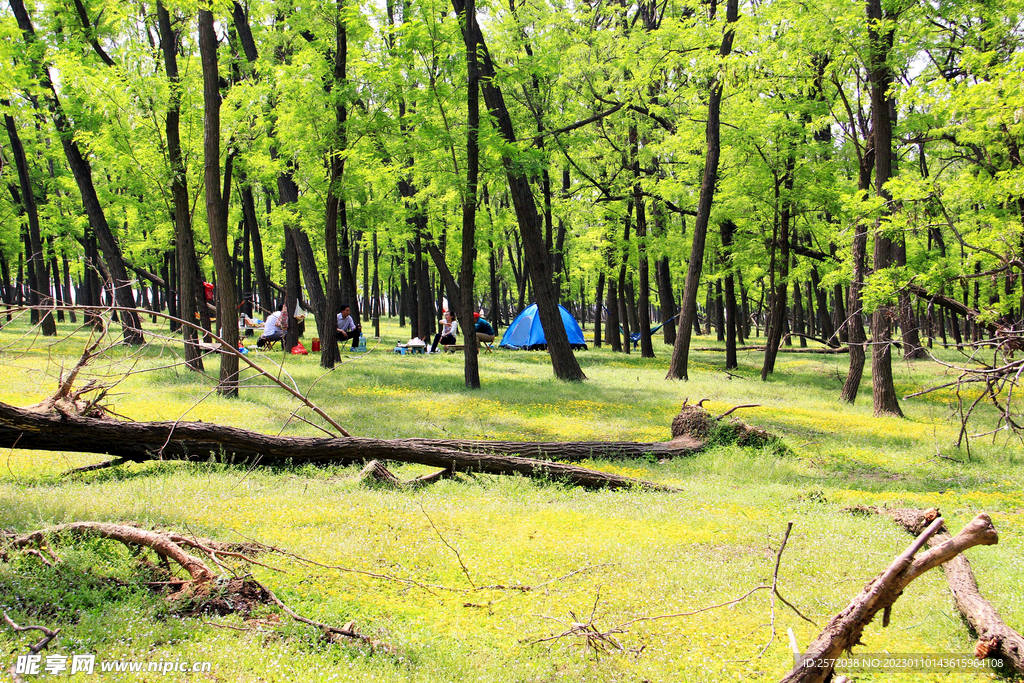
{"x": 484, "y": 332}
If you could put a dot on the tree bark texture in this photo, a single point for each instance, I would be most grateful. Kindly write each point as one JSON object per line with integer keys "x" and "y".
{"x": 881, "y": 77}
{"x": 28, "y": 201}
{"x": 995, "y": 638}
{"x": 471, "y": 368}
{"x": 188, "y": 282}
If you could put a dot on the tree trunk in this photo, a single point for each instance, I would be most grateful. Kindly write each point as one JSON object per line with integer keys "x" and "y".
{"x": 293, "y": 285}
{"x": 189, "y": 285}
{"x": 82, "y": 172}
{"x": 778, "y": 313}
{"x": 857, "y": 339}
{"x": 563, "y": 362}
{"x": 326, "y": 319}
{"x": 681, "y": 351}
{"x": 611, "y": 331}
{"x": 598, "y": 306}
{"x": 727, "y": 229}
{"x": 67, "y": 284}
{"x": 466, "y": 280}
{"x": 216, "y": 212}
{"x": 883, "y": 389}
{"x": 144, "y": 441}
{"x": 28, "y": 201}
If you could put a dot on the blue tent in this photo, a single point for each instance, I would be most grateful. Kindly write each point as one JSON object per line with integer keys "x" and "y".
{"x": 526, "y": 331}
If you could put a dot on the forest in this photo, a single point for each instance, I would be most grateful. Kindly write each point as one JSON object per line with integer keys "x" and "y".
{"x": 837, "y": 173}
{"x": 776, "y": 208}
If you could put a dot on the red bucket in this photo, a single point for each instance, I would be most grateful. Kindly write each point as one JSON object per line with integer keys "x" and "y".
{"x": 316, "y": 344}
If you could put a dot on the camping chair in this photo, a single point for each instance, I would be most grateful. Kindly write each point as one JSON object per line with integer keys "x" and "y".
{"x": 635, "y": 336}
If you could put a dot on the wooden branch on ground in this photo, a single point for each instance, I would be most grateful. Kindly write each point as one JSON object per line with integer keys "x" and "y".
{"x": 144, "y": 441}
{"x": 845, "y": 629}
{"x": 826, "y": 351}
{"x": 377, "y": 472}
{"x": 48, "y": 634}
{"x": 567, "y": 451}
{"x": 113, "y": 462}
{"x": 995, "y": 638}
{"x": 35, "y": 648}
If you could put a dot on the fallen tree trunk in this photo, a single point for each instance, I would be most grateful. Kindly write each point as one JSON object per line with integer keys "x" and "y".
{"x": 845, "y": 629}
{"x": 143, "y": 441}
{"x": 829, "y": 350}
{"x": 569, "y": 451}
{"x": 995, "y": 638}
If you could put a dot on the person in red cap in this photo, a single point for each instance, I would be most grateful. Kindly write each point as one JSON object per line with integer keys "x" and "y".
{"x": 484, "y": 331}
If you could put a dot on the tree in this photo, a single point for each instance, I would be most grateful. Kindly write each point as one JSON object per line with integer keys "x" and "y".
{"x": 681, "y": 350}
{"x": 216, "y": 212}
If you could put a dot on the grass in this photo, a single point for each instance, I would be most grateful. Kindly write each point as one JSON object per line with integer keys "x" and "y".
{"x": 645, "y": 554}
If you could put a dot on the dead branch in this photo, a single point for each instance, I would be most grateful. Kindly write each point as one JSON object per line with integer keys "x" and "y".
{"x": 48, "y": 634}
{"x": 843, "y": 632}
{"x": 377, "y": 473}
{"x": 568, "y": 451}
{"x": 36, "y": 648}
{"x": 455, "y": 550}
{"x": 113, "y": 462}
{"x": 332, "y": 634}
{"x": 995, "y": 638}
{"x": 168, "y": 545}
{"x": 735, "y": 408}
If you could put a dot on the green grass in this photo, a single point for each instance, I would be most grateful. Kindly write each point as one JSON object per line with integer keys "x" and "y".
{"x": 648, "y": 554}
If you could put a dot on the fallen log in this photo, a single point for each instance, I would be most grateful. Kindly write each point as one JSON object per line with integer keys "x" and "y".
{"x": 845, "y": 629}
{"x": 144, "y": 441}
{"x": 995, "y": 638}
{"x": 829, "y": 350}
{"x": 569, "y": 451}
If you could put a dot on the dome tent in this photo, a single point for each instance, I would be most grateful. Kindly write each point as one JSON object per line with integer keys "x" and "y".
{"x": 526, "y": 331}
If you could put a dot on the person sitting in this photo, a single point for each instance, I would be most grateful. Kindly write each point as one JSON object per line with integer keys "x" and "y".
{"x": 346, "y": 328}
{"x": 484, "y": 332}
{"x": 449, "y": 329}
{"x": 273, "y": 329}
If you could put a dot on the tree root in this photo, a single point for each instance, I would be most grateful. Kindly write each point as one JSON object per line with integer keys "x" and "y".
{"x": 203, "y": 592}
{"x": 845, "y": 629}
{"x": 694, "y": 422}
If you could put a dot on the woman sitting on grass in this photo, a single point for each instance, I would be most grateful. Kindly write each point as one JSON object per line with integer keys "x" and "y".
{"x": 449, "y": 328}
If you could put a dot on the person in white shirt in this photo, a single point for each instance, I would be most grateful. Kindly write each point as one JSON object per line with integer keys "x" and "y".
{"x": 347, "y": 328}
{"x": 273, "y": 329}
{"x": 449, "y": 330}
